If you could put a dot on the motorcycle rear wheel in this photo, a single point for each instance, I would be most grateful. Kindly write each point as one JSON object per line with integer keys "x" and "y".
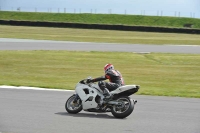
{"x": 71, "y": 107}
{"x": 124, "y": 110}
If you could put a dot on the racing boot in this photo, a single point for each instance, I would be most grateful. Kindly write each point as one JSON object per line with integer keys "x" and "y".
{"x": 106, "y": 94}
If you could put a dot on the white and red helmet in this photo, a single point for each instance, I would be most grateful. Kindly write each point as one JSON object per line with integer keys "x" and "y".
{"x": 108, "y": 67}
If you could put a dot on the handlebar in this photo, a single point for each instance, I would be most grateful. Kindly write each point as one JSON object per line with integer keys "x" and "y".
{"x": 84, "y": 81}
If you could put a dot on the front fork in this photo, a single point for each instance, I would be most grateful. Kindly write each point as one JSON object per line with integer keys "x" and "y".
{"x": 76, "y": 98}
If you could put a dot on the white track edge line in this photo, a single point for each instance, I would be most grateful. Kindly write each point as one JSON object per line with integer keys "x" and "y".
{"x": 30, "y": 88}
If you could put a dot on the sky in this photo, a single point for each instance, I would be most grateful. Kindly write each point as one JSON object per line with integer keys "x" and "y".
{"x": 183, "y": 8}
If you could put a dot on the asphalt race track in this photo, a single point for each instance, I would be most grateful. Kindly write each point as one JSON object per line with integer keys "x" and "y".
{"x": 20, "y": 44}
{"x": 38, "y": 111}
{"x": 42, "y": 111}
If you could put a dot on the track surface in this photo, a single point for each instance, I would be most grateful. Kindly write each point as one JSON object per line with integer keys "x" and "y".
{"x": 39, "y": 111}
{"x": 33, "y": 111}
{"x": 20, "y": 44}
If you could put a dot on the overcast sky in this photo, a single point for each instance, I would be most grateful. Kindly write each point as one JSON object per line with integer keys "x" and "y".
{"x": 187, "y": 8}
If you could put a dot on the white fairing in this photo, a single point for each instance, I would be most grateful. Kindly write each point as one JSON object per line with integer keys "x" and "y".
{"x": 93, "y": 92}
{"x": 123, "y": 88}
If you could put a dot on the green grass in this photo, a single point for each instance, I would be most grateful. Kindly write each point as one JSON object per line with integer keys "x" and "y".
{"x": 88, "y": 35}
{"x": 112, "y": 19}
{"x": 158, "y": 74}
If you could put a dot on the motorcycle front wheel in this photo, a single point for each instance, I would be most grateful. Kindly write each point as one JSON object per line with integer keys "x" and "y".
{"x": 124, "y": 109}
{"x": 72, "y": 107}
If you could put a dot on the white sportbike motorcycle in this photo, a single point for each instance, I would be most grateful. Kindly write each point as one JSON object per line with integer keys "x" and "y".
{"x": 89, "y": 95}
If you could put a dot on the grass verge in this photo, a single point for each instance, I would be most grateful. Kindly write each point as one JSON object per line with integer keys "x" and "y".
{"x": 113, "y": 19}
{"x": 158, "y": 74}
{"x": 88, "y": 35}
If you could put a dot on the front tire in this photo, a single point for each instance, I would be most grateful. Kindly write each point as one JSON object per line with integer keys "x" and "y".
{"x": 123, "y": 110}
{"x": 71, "y": 107}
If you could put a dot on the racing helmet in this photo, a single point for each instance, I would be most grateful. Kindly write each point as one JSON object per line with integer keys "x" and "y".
{"x": 108, "y": 67}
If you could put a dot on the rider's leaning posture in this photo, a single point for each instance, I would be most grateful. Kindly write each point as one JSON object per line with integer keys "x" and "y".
{"x": 114, "y": 77}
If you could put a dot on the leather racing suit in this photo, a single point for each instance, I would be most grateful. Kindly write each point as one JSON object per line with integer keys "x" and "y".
{"x": 115, "y": 78}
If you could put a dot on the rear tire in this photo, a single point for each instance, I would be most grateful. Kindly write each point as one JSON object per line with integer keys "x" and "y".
{"x": 125, "y": 111}
{"x": 71, "y": 107}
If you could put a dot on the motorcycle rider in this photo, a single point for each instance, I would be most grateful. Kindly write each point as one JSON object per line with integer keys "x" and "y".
{"x": 115, "y": 78}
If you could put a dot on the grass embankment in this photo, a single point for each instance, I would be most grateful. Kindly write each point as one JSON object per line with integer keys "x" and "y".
{"x": 113, "y": 19}
{"x": 158, "y": 74}
{"x": 84, "y": 35}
